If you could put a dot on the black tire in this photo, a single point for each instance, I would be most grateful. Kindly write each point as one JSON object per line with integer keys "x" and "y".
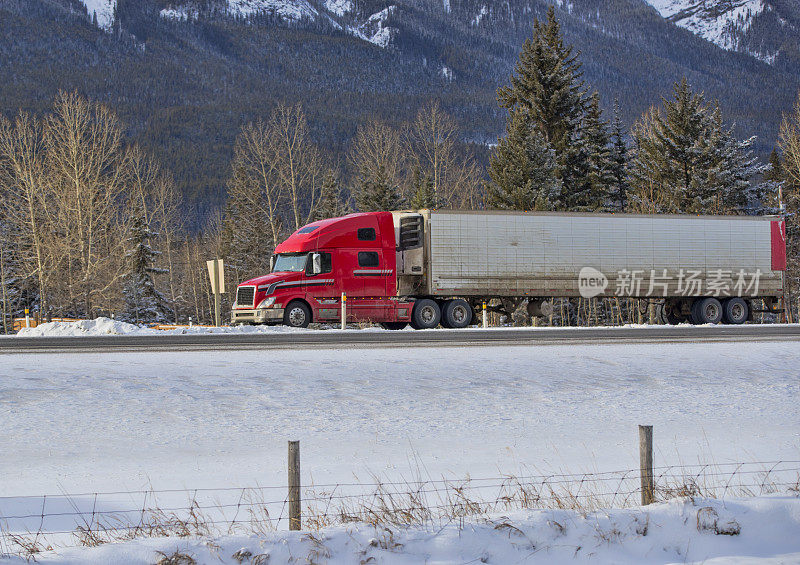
{"x": 457, "y": 314}
{"x": 426, "y": 314}
{"x": 394, "y": 325}
{"x": 735, "y": 311}
{"x": 706, "y": 311}
{"x": 297, "y": 315}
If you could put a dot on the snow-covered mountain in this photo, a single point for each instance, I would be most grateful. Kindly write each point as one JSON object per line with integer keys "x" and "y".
{"x": 718, "y": 21}
{"x": 370, "y": 27}
{"x": 103, "y": 10}
{"x": 757, "y": 27}
{"x": 764, "y": 29}
{"x": 290, "y": 10}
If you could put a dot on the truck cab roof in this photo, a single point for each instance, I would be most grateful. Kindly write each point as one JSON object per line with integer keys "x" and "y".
{"x": 352, "y": 230}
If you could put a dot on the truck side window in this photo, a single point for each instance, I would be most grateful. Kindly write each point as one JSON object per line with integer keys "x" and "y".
{"x": 327, "y": 265}
{"x": 366, "y": 234}
{"x": 368, "y": 259}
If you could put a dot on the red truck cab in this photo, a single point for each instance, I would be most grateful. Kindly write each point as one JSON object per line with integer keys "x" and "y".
{"x": 354, "y": 255}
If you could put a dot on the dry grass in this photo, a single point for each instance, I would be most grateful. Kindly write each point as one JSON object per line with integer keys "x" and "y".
{"x": 390, "y": 506}
{"x": 176, "y": 558}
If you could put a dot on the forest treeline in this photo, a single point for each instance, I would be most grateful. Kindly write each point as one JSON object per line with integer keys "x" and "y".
{"x": 90, "y": 222}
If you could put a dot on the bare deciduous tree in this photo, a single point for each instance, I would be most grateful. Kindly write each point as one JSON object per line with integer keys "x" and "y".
{"x": 89, "y": 171}
{"x": 25, "y": 200}
{"x": 432, "y": 148}
{"x": 377, "y": 159}
{"x": 254, "y": 180}
{"x": 296, "y": 161}
{"x": 789, "y": 142}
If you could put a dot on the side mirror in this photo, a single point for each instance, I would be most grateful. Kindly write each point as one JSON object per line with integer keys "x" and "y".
{"x": 271, "y": 263}
{"x": 316, "y": 263}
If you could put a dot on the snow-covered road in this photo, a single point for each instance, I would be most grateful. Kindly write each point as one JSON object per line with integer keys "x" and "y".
{"x": 120, "y": 421}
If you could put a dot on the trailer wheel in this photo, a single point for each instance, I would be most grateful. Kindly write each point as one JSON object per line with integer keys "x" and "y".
{"x": 706, "y": 311}
{"x": 297, "y": 315}
{"x": 457, "y": 314}
{"x": 426, "y": 314}
{"x": 393, "y": 325}
{"x": 735, "y": 311}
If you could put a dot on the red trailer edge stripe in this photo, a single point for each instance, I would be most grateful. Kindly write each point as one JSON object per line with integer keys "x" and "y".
{"x": 778, "y": 245}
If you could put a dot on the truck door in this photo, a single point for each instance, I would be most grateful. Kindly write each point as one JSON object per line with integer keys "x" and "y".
{"x": 322, "y": 288}
{"x": 372, "y": 275}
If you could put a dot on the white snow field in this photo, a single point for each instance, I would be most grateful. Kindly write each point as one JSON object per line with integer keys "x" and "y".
{"x": 681, "y": 531}
{"x": 126, "y": 421}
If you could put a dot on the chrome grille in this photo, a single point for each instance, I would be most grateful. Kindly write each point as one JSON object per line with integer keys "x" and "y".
{"x": 245, "y": 295}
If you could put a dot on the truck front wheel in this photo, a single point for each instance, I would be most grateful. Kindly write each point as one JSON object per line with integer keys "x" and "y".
{"x": 426, "y": 314}
{"x": 297, "y": 315}
{"x": 457, "y": 314}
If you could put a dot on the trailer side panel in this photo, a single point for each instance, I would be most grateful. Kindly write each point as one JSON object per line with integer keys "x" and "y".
{"x": 519, "y": 254}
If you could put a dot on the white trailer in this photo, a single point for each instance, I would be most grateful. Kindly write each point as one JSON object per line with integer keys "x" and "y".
{"x": 701, "y": 268}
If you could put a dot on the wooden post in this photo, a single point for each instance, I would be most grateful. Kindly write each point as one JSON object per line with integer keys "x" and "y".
{"x": 485, "y": 316}
{"x": 646, "y": 464}
{"x": 215, "y": 269}
{"x": 294, "y": 485}
{"x": 344, "y": 311}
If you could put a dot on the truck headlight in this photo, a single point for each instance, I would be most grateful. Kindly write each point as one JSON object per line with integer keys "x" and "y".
{"x": 267, "y": 302}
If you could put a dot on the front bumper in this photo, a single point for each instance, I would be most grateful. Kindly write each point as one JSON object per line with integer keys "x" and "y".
{"x": 259, "y": 316}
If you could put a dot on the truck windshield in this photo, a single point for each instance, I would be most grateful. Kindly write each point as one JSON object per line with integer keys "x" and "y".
{"x": 291, "y": 262}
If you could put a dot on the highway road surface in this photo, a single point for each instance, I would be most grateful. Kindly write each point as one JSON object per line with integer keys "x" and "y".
{"x": 337, "y": 339}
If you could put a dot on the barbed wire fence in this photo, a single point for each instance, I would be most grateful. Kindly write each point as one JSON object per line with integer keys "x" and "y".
{"x": 31, "y": 524}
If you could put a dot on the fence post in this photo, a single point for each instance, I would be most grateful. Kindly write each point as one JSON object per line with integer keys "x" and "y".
{"x": 344, "y": 311}
{"x": 485, "y": 316}
{"x": 294, "y": 485}
{"x": 646, "y": 464}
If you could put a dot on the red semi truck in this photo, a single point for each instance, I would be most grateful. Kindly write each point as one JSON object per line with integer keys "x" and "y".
{"x": 427, "y": 268}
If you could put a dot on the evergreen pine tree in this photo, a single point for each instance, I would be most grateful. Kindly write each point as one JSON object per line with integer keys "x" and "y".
{"x": 522, "y": 170}
{"x": 547, "y": 89}
{"x": 774, "y": 171}
{"x": 730, "y": 171}
{"x": 143, "y": 302}
{"x": 424, "y": 191}
{"x": 331, "y": 204}
{"x": 379, "y": 194}
{"x": 776, "y": 182}
{"x": 619, "y": 164}
{"x": 693, "y": 162}
{"x": 601, "y": 179}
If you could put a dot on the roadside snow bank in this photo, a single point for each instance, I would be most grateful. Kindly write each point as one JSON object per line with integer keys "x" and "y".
{"x": 99, "y": 326}
{"x": 107, "y": 326}
{"x": 680, "y": 531}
